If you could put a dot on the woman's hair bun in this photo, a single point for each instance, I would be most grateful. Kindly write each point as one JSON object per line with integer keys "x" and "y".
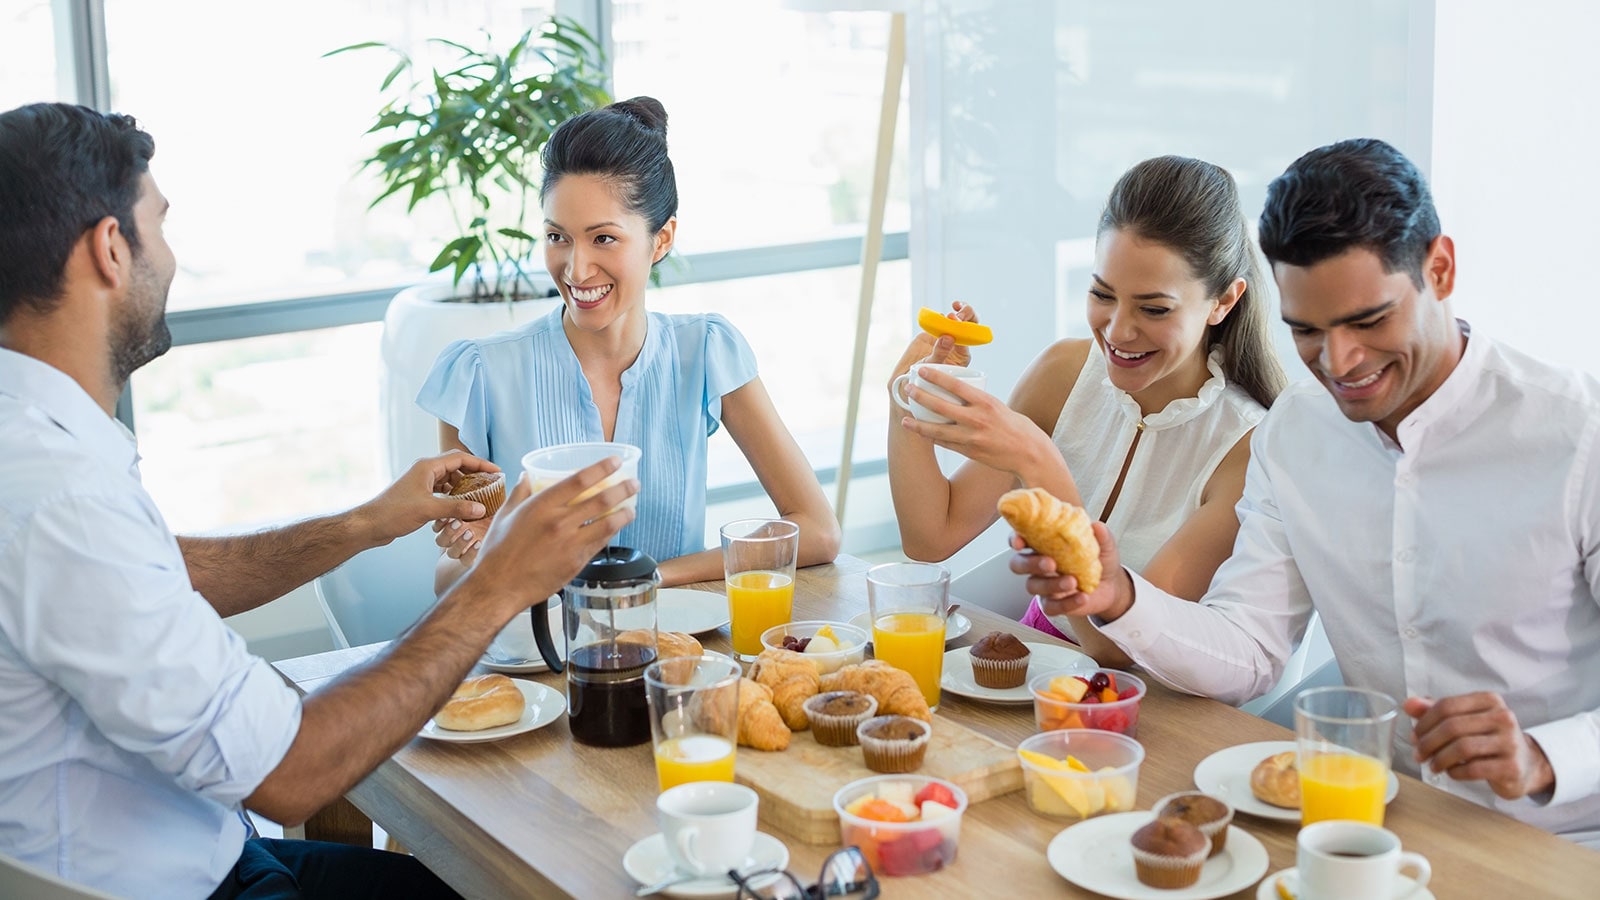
{"x": 647, "y": 111}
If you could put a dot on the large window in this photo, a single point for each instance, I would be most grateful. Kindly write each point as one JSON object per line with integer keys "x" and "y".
{"x": 35, "y": 59}
{"x": 259, "y": 138}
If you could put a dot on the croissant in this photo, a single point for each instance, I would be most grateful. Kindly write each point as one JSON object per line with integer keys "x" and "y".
{"x": 669, "y": 644}
{"x": 793, "y": 680}
{"x": 896, "y": 691}
{"x": 760, "y": 726}
{"x": 1056, "y": 529}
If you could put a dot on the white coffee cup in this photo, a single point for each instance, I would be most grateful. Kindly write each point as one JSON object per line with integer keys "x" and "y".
{"x": 967, "y": 376}
{"x": 709, "y": 826}
{"x": 1343, "y": 860}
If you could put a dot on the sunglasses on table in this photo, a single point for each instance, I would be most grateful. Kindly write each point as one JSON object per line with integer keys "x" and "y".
{"x": 845, "y": 873}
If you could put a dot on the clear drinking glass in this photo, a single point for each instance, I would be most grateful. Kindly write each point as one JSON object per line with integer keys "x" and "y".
{"x": 1344, "y": 737}
{"x": 694, "y": 717}
{"x": 908, "y": 603}
{"x": 758, "y": 557}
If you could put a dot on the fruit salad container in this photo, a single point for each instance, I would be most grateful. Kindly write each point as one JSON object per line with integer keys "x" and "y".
{"x": 1105, "y": 699}
{"x": 830, "y": 645}
{"x": 904, "y": 824}
{"x": 1080, "y": 772}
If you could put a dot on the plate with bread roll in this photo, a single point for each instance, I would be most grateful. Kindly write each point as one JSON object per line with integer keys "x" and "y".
{"x": 491, "y": 707}
{"x": 1260, "y": 779}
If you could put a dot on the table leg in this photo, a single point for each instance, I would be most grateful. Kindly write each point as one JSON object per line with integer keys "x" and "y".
{"x": 340, "y": 822}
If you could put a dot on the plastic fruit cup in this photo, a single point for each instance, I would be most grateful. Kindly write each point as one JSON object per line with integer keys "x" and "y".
{"x": 901, "y": 848}
{"x": 852, "y": 640}
{"x": 1051, "y": 713}
{"x": 1109, "y": 786}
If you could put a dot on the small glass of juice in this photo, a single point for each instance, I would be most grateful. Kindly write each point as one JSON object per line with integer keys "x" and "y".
{"x": 758, "y": 557}
{"x": 908, "y": 603}
{"x": 1343, "y": 737}
{"x": 694, "y": 717}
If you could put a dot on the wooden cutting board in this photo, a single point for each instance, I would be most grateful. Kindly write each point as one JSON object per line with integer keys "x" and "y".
{"x": 797, "y": 785}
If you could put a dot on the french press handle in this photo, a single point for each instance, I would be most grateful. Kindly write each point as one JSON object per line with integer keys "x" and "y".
{"x": 539, "y": 616}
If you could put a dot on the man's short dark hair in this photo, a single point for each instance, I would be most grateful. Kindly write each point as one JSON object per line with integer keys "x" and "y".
{"x": 63, "y": 168}
{"x": 1357, "y": 193}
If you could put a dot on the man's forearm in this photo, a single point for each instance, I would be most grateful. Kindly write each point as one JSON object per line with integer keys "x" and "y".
{"x": 236, "y": 573}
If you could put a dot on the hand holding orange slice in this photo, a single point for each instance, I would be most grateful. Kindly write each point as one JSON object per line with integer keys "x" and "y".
{"x": 966, "y": 334}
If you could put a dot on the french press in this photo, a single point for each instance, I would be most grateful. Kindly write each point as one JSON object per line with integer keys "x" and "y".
{"x": 608, "y": 616}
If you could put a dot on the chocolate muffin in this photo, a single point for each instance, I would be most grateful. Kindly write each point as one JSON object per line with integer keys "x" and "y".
{"x": 1169, "y": 853}
{"x": 1203, "y": 811}
{"x": 1000, "y": 660}
{"x": 894, "y": 744}
{"x": 835, "y": 715}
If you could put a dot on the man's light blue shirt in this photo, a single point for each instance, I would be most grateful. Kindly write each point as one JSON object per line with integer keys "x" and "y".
{"x": 133, "y": 722}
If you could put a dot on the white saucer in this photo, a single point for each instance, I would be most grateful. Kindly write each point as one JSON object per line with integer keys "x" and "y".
{"x": 958, "y": 679}
{"x": 534, "y": 663}
{"x": 690, "y": 611}
{"x": 1226, "y": 773}
{"x": 954, "y": 627}
{"x": 1269, "y": 886}
{"x": 541, "y": 706}
{"x": 646, "y": 862}
{"x": 1095, "y": 854}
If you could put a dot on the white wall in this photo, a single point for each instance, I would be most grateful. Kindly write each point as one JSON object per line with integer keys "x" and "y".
{"x": 1514, "y": 169}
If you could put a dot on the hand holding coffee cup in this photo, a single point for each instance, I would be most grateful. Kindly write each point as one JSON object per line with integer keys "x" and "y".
{"x": 1343, "y": 860}
{"x": 970, "y": 377}
{"x": 709, "y": 826}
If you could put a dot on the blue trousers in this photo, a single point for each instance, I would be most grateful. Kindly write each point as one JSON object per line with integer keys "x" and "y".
{"x": 270, "y": 869}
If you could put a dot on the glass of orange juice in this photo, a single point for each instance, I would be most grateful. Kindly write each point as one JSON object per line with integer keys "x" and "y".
{"x": 694, "y": 717}
{"x": 907, "y": 603}
{"x": 1345, "y": 737}
{"x": 758, "y": 556}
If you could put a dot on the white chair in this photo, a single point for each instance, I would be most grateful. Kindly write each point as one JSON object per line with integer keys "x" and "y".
{"x": 19, "y": 881}
{"x": 381, "y": 592}
{"x": 992, "y": 585}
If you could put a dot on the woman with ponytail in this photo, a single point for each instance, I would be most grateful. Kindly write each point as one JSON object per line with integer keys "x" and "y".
{"x": 603, "y": 368}
{"x": 1146, "y": 425}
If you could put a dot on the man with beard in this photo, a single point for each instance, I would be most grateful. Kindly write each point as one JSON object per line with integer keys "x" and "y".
{"x": 1433, "y": 493}
{"x": 134, "y": 725}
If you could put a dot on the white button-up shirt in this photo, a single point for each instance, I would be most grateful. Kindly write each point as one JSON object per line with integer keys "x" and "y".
{"x": 133, "y": 722}
{"x": 1463, "y": 559}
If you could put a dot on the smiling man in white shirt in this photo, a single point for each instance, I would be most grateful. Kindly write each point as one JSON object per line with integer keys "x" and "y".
{"x": 134, "y": 724}
{"x": 1433, "y": 494}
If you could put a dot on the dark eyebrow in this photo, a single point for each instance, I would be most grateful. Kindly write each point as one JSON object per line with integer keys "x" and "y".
{"x": 1367, "y": 313}
{"x": 1157, "y": 295}
{"x": 553, "y": 224}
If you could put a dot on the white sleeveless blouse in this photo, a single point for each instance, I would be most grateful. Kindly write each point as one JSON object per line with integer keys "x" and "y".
{"x": 1180, "y": 448}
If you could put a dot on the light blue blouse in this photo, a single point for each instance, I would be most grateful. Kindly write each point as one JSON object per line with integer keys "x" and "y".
{"x": 523, "y": 389}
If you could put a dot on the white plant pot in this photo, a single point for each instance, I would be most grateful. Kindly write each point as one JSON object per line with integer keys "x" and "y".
{"x": 419, "y": 323}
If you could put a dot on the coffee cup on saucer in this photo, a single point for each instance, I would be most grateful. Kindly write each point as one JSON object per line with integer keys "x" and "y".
{"x": 1345, "y": 860}
{"x": 709, "y": 826}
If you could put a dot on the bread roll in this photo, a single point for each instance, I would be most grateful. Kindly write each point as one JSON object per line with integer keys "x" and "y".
{"x": 485, "y": 701}
{"x": 1276, "y": 780}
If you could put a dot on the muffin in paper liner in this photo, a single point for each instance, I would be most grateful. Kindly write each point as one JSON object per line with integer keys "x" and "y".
{"x": 993, "y": 670}
{"x": 833, "y": 729}
{"x": 894, "y": 744}
{"x": 1209, "y": 813}
{"x": 1159, "y": 859}
{"x": 488, "y": 488}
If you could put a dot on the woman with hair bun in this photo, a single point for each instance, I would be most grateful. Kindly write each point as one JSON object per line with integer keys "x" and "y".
{"x": 604, "y": 368}
{"x": 1146, "y": 425}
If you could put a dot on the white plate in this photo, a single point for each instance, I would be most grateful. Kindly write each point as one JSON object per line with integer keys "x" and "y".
{"x": 958, "y": 680}
{"x": 646, "y": 862}
{"x": 1226, "y": 773}
{"x": 536, "y": 662}
{"x": 1095, "y": 854}
{"x": 1269, "y": 886}
{"x": 541, "y": 706}
{"x": 954, "y": 627}
{"x": 690, "y": 611}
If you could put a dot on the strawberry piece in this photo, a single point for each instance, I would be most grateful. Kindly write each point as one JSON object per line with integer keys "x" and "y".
{"x": 1128, "y": 693}
{"x": 901, "y": 856}
{"x": 936, "y": 793}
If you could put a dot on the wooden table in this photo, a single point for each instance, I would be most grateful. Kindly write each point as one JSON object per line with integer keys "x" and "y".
{"x": 541, "y": 815}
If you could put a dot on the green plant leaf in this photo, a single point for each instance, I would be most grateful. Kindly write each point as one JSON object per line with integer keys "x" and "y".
{"x": 361, "y": 46}
{"x": 517, "y": 235}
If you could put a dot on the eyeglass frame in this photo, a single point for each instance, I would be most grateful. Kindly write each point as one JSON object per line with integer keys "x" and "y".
{"x": 869, "y": 889}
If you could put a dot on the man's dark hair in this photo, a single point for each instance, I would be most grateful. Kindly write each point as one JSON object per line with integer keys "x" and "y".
{"x": 62, "y": 169}
{"x": 1357, "y": 193}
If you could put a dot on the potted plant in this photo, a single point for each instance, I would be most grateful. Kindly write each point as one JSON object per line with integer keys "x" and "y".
{"x": 469, "y": 137}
